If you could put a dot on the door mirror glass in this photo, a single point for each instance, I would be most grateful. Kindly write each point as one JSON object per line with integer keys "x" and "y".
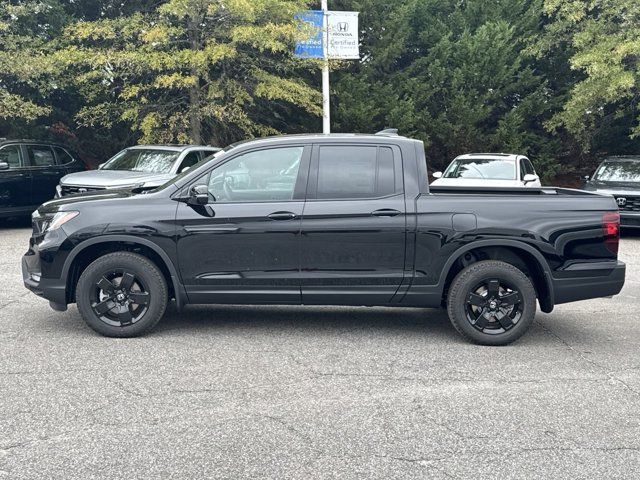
{"x": 4, "y": 166}
{"x": 529, "y": 178}
{"x": 198, "y": 195}
{"x": 437, "y": 174}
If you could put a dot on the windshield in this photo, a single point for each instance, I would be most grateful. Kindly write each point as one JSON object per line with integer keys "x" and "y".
{"x": 195, "y": 167}
{"x": 618, "y": 172}
{"x": 487, "y": 168}
{"x": 142, "y": 160}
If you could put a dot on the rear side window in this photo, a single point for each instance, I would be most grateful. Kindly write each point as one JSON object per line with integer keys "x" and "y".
{"x": 351, "y": 172}
{"x": 11, "y": 155}
{"x": 40, "y": 156}
{"x": 63, "y": 156}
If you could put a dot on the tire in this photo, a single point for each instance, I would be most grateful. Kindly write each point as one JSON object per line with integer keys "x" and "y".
{"x": 122, "y": 294}
{"x": 487, "y": 313}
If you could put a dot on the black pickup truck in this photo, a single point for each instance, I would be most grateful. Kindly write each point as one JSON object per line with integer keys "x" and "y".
{"x": 324, "y": 219}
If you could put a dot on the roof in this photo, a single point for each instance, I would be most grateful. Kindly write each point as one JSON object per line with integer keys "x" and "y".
{"x": 170, "y": 147}
{"x": 622, "y": 158}
{"x": 323, "y": 137}
{"x": 8, "y": 141}
{"x": 503, "y": 156}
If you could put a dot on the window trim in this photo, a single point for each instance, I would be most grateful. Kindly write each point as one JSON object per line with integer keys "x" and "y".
{"x": 299, "y": 187}
{"x": 312, "y": 183}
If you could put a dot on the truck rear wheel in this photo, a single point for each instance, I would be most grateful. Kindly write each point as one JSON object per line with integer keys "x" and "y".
{"x": 491, "y": 303}
{"x": 122, "y": 294}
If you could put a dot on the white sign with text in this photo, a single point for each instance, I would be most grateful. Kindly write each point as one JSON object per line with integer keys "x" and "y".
{"x": 342, "y": 35}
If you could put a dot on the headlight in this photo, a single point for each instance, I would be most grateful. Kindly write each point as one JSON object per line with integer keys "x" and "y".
{"x": 58, "y": 219}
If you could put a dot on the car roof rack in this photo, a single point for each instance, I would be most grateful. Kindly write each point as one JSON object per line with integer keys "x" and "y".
{"x": 391, "y": 132}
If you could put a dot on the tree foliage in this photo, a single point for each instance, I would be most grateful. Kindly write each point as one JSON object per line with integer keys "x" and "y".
{"x": 554, "y": 79}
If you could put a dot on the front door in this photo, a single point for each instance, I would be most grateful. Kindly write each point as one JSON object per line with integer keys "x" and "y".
{"x": 243, "y": 247}
{"x": 353, "y": 226}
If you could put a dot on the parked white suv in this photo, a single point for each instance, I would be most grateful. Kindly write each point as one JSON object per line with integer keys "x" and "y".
{"x": 143, "y": 165}
{"x": 488, "y": 170}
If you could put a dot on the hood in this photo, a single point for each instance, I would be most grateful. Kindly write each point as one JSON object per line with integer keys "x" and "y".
{"x": 613, "y": 188}
{"x": 114, "y": 178}
{"x": 474, "y": 182}
{"x": 70, "y": 201}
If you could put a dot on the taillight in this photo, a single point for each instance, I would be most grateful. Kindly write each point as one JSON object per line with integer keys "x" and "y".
{"x": 611, "y": 231}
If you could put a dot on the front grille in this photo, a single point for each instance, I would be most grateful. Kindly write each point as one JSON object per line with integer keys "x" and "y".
{"x": 72, "y": 189}
{"x": 631, "y": 204}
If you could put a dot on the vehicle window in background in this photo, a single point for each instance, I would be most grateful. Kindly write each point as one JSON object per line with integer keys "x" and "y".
{"x": 63, "y": 156}
{"x": 11, "y": 155}
{"x": 347, "y": 172}
{"x": 264, "y": 175}
{"x": 142, "y": 160}
{"x": 40, "y": 156}
{"x": 618, "y": 172}
{"x": 487, "y": 168}
{"x": 189, "y": 160}
{"x": 529, "y": 166}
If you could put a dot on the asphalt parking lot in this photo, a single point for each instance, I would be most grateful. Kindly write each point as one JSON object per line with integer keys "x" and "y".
{"x": 284, "y": 392}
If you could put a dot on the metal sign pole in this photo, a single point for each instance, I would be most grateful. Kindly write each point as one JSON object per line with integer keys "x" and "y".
{"x": 326, "y": 109}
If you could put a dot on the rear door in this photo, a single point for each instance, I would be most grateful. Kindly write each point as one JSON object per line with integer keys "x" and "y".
{"x": 15, "y": 183}
{"x": 353, "y": 225}
{"x": 45, "y": 171}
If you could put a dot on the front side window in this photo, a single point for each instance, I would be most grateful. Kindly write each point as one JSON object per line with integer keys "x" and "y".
{"x": 11, "y": 155}
{"x": 482, "y": 168}
{"x": 263, "y": 175}
{"x": 612, "y": 171}
{"x": 143, "y": 160}
{"x": 40, "y": 156}
{"x": 189, "y": 161}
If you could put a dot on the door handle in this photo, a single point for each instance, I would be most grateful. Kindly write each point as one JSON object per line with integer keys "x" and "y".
{"x": 385, "y": 212}
{"x": 282, "y": 216}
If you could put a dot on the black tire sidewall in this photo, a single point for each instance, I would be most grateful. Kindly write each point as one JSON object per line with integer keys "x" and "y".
{"x": 141, "y": 267}
{"x": 474, "y": 274}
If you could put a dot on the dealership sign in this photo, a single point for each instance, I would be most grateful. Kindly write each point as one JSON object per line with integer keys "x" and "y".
{"x": 341, "y": 35}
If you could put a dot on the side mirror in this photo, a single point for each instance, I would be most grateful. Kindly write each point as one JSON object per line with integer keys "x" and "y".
{"x": 4, "y": 166}
{"x": 586, "y": 178}
{"x": 198, "y": 195}
{"x": 437, "y": 174}
{"x": 184, "y": 169}
{"x": 529, "y": 177}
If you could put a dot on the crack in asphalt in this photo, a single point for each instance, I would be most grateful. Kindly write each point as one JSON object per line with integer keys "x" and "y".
{"x": 609, "y": 374}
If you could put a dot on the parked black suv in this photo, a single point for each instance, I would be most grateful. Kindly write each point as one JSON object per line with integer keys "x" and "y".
{"x": 324, "y": 219}
{"x": 29, "y": 173}
{"x": 620, "y": 177}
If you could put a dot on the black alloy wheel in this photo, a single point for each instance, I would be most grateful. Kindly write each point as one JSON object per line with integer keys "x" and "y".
{"x": 494, "y": 306}
{"x": 120, "y": 298}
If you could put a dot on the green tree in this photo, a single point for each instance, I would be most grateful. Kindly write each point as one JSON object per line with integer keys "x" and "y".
{"x": 456, "y": 74}
{"x": 192, "y": 70}
{"x": 603, "y": 38}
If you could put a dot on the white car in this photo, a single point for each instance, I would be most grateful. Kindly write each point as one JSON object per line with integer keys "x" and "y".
{"x": 488, "y": 170}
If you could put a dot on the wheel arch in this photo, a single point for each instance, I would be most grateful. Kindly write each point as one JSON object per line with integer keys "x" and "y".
{"x": 87, "y": 251}
{"x": 516, "y": 253}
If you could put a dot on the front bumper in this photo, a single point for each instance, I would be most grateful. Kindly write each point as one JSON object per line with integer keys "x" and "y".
{"x": 582, "y": 281}
{"x": 628, "y": 219}
{"x": 53, "y": 290}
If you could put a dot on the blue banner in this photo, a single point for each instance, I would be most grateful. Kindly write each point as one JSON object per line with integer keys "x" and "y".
{"x": 312, "y": 47}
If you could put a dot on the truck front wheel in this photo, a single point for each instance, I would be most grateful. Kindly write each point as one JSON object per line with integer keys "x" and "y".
{"x": 122, "y": 294}
{"x": 491, "y": 303}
